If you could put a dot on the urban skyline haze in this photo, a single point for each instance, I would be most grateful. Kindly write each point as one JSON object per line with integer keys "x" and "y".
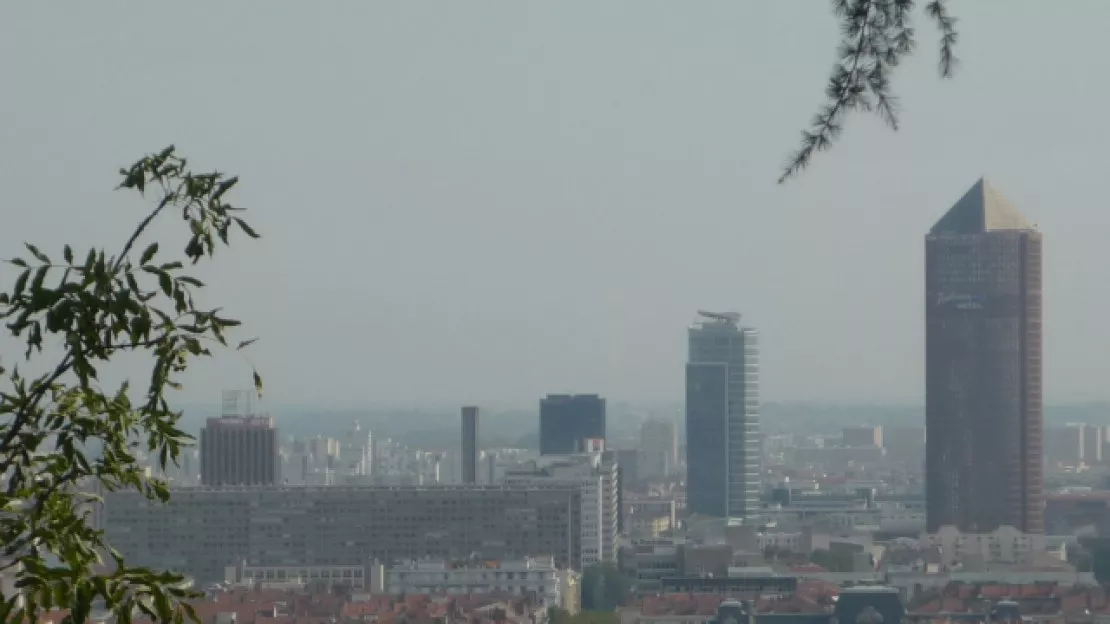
{"x": 468, "y": 204}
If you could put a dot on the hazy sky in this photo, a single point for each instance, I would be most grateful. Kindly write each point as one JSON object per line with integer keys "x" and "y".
{"x": 488, "y": 201}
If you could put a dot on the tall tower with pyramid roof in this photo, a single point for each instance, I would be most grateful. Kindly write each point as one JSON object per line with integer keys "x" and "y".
{"x": 983, "y": 368}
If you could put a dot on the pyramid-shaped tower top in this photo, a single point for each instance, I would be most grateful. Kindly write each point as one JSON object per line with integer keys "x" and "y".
{"x": 981, "y": 209}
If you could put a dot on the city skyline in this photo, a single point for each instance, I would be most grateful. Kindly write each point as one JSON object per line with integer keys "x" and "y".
{"x": 681, "y": 373}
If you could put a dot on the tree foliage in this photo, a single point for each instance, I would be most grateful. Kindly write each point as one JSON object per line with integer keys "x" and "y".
{"x": 74, "y": 314}
{"x": 833, "y": 560}
{"x": 604, "y": 588}
{"x": 876, "y": 35}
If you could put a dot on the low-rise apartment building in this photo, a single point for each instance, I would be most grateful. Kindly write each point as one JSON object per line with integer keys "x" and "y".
{"x": 356, "y": 577}
{"x": 1003, "y": 545}
{"x": 536, "y": 577}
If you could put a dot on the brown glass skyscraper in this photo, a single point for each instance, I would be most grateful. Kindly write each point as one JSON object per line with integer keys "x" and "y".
{"x": 983, "y": 367}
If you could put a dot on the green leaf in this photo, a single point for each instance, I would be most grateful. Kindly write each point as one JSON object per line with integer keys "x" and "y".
{"x": 257, "y": 383}
{"x": 149, "y": 253}
{"x": 41, "y": 257}
{"x": 19, "y": 262}
{"x": 246, "y": 343}
{"x": 166, "y": 283}
{"x": 246, "y": 228}
{"x": 224, "y": 187}
{"x": 21, "y": 283}
{"x": 40, "y": 277}
{"x": 132, "y": 283}
{"x": 67, "y": 252}
{"x": 192, "y": 281}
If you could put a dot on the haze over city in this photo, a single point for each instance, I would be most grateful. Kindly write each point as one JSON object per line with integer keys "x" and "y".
{"x": 472, "y": 202}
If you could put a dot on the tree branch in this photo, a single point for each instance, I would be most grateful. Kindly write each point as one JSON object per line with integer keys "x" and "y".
{"x": 877, "y": 35}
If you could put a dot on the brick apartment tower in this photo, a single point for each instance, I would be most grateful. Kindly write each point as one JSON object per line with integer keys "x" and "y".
{"x": 983, "y": 381}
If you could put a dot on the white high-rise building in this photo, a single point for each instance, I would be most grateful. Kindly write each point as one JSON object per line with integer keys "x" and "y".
{"x": 723, "y": 448}
{"x": 357, "y": 453}
{"x": 597, "y": 476}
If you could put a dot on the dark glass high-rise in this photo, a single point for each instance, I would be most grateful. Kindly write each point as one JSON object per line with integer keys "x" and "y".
{"x": 568, "y": 419}
{"x": 469, "y": 444}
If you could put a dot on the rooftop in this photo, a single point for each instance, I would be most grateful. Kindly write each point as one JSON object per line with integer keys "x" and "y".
{"x": 251, "y": 421}
{"x": 530, "y": 563}
{"x": 271, "y": 606}
{"x": 981, "y": 209}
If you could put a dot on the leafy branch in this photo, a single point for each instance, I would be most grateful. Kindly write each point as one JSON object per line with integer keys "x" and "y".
{"x": 876, "y": 36}
{"x": 94, "y": 309}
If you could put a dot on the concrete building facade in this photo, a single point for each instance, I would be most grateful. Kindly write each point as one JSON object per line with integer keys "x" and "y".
{"x": 1093, "y": 438}
{"x": 862, "y": 436}
{"x": 538, "y": 577}
{"x": 358, "y": 577}
{"x": 596, "y": 477}
{"x": 1003, "y": 545}
{"x": 200, "y": 531}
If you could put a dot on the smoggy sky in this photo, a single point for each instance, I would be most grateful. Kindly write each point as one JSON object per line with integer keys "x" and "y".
{"x": 489, "y": 201}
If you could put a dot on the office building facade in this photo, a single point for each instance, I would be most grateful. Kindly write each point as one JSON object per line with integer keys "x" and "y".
{"x": 723, "y": 449}
{"x": 470, "y": 444}
{"x": 862, "y": 436}
{"x": 239, "y": 450}
{"x": 200, "y": 531}
{"x": 567, "y": 419}
{"x": 357, "y": 452}
{"x": 983, "y": 379}
{"x": 658, "y": 449}
{"x": 1093, "y": 438}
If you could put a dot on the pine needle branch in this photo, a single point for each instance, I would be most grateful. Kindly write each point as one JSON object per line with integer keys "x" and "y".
{"x": 876, "y": 36}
